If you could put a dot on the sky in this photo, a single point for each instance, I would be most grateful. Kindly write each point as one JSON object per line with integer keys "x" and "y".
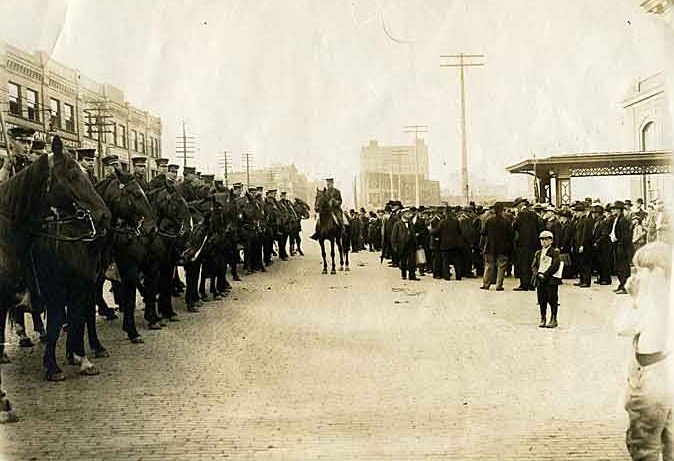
{"x": 309, "y": 82}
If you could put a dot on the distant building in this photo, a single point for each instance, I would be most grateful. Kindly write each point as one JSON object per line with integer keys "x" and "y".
{"x": 391, "y": 172}
{"x": 47, "y": 96}
{"x": 284, "y": 178}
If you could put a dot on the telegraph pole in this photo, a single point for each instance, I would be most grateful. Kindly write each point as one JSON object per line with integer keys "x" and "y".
{"x": 247, "y": 157}
{"x": 416, "y": 129}
{"x": 97, "y": 121}
{"x": 464, "y": 149}
{"x": 185, "y": 146}
{"x": 225, "y": 162}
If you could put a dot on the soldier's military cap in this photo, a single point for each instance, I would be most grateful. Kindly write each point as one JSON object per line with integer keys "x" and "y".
{"x": 139, "y": 161}
{"x": 198, "y": 173}
{"x": 22, "y": 133}
{"x": 284, "y": 193}
{"x": 219, "y": 182}
{"x": 270, "y": 191}
{"x": 260, "y": 188}
{"x": 538, "y": 206}
{"x": 110, "y": 159}
{"x": 85, "y": 153}
{"x": 161, "y": 161}
{"x": 39, "y": 147}
{"x": 208, "y": 178}
{"x": 173, "y": 167}
{"x": 189, "y": 170}
{"x": 237, "y": 185}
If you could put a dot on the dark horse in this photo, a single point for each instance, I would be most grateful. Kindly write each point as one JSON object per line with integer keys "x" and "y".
{"x": 133, "y": 229}
{"x": 328, "y": 228}
{"x": 47, "y": 212}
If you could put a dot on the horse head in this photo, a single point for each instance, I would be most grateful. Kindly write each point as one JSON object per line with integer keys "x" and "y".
{"x": 128, "y": 203}
{"x": 69, "y": 191}
{"x": 321, "y": 204}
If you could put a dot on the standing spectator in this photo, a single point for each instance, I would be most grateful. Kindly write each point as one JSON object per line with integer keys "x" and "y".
{"x": 638, "y": 232}
{"x": 662, "y": 222}
{"x": 651, "y": 227}
{"x": 604, "y": 225}
{"x": 422, "y": 236}
{"x": 451, "y": 244}
{"x": 496, "y": 244}
{"x": 646, "y": 317}
{"x": 404, "y": 242}
{"x": 527, "y": 226}
{"x": 434, "y": 246}
{"x": 582, "y": 244}
{"x": 545, "y": 267}
{"x": 621, "y": 238}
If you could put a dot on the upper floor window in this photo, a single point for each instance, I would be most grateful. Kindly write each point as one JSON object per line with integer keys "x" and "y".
{"x": 32, "y": 105}
{"x": 142, "y": 143}
{"x": 55, "y": 109}
{"x": 134, "y": 140}
{"x": 69, "y": 116}
{"x": 14, "y": 99}
{"x": 122, "y": 136}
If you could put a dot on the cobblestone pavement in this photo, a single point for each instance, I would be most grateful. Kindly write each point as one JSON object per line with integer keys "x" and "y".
{"x": 361, "y": 365}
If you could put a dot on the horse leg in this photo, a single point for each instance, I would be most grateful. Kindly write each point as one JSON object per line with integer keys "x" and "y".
{"x": 332, "y": 255}
{"x": 80, "y": 309}
{"x": 346, "y": 256}
{"x": 338, "y": 240}
{"x": 325, "y": 263}
{"x": 55, "y": 319}
{"x": 4, "y": 313}
{"x": 127, "y": 290}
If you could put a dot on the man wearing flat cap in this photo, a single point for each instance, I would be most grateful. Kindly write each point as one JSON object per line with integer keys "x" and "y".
{"x": 19, "y": 151}
{"x": 621, "y": 239}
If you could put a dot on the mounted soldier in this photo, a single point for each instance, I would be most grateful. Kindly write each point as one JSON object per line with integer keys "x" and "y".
{"x": 140, "y": 172}
{"x": 334, "y": 198}
{"x": 87, "y": 159}
{"x": 272, "y": 214}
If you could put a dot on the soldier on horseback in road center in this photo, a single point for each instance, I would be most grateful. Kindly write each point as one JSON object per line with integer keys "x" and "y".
{"x": 335, "y": 200}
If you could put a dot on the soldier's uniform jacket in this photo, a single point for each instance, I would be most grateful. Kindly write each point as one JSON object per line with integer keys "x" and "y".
{"x": 336, "y": 196}
{"x": 188, "y": 189}
{"x": 140, "y": 179}
{"x": 161, "y": 181}
{"x": 273, "y": 214}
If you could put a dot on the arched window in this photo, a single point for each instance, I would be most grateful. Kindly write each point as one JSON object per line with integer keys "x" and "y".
{"x": 648, "y": 140}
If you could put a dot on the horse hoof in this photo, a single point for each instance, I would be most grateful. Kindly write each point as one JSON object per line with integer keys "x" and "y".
{"x": 347, "y": 269}
{"x": 341, "y": 268}
{"x": 4, "y": 358}
{"x": 333, "y": 272}
{"x": 89, "y": 371}
{"x": 136, "y": 340}
{"x": 153, "y": 326}
{"x": 101, "y": 353}
{"x": 8, "y": 417}
{"x": 324, "y": 271}
{"x": 58, "y": 376}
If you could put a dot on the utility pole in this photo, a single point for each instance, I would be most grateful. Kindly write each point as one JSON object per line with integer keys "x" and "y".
{"x": 398, "y": 154}
{"x": 246, "y": 158}
{"x": 225, "y": 162}
{"x": 185, "y": 146}
{"x": 464, "y": 149}
{"x": 97, "y": 122}
{"x": 416, "y": 129}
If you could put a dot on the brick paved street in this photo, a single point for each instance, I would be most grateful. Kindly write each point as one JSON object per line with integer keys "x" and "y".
{"x": 296, "y": 365}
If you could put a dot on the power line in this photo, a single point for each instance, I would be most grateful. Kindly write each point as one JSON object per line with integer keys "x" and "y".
{"x": 225, "y": 162}
{"x": 464, "y": 149}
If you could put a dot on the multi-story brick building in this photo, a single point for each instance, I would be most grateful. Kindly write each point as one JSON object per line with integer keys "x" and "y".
{"x": 394, "y": 172}
{"x": 42, "y": 94}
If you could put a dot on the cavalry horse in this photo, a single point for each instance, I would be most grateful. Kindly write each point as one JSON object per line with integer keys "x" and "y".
{"x": 173, "y": 221}
{"x": 328, "y": 228}
{"x": 302, "y": 211}
{"x": 39, "y": 207}
{"x": 133, "y": 229}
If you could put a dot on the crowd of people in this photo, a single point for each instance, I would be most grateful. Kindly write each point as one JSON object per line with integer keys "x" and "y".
{"x": 593, "y": 239}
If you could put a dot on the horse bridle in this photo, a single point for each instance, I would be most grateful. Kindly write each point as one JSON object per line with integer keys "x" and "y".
{"x": 56, "y": 218}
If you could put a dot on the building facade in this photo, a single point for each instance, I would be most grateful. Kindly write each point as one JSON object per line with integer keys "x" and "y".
{"x": 650, "y": 128}
{"x": 40, "y": 93}
{"x": 394, "y": 173}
